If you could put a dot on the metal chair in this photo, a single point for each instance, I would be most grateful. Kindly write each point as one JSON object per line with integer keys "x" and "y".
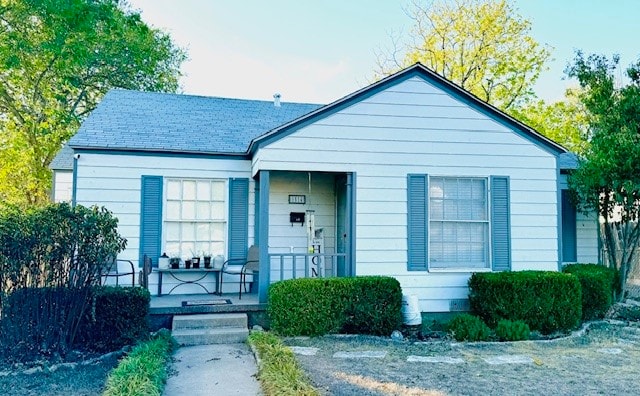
{"x": 245, "y": 266}
{"x": 117, "y": 268}
{"x": 143, "y": 277}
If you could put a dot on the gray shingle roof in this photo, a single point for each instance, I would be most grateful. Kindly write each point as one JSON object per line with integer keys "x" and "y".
{"x": 568, "y": 161}
{"x": 63, "y": 160}
{"x": 149, "y": 121}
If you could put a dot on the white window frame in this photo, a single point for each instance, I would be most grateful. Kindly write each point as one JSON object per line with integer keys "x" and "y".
{"x": 454, "y": 266}
{"x": 223, "y": 221}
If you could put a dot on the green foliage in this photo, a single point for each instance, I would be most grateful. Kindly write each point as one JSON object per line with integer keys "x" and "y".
{"x": 564, "y": 121}
{"x": 467, "y": 327}
{"x": 508, "y": 330}
{"x": 57, "y": 60}
{"x": 40, "y": 322}
{"x": 547, "y": 301}
{"x": 484, "y": 46}
{"x": 50, "y": 257}
{"x": 317, "y": 306}
{"x": 144, "y": 371}
{"x": 56, "y": 245}
{"x": 598, "y": 286}
{"x": 374, "y": 306}
{"x": 279, "y": 372}
{"x": 117, "y": 316}
{"x": 608, "y": 179}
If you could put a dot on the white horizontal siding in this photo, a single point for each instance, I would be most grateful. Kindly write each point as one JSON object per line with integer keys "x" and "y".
{"x": 114, "y": 181}
{"x": 587, "y": 238}
{"x": 414, "y": 127}
{"x": 62, "y": 186}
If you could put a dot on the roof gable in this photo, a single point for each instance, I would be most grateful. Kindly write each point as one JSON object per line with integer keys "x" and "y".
{"x": 436, "y": 80}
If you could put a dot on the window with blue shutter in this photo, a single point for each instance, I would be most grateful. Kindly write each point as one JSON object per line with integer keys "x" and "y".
{"x": 449, "y": 219}
{"x": 238, "y": 217}
{"x": 417, "y": 241}
{"x": 500, "y": 224}
{"x": 151, "y": 218}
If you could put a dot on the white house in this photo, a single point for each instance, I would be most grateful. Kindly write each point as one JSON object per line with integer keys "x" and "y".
{"x": 62, "y": 167}
{"x": 410, "y": 177}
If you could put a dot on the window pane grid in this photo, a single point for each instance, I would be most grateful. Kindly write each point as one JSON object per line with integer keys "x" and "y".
{"x": 195, "y": 217}
{"x": 458, "y": 226}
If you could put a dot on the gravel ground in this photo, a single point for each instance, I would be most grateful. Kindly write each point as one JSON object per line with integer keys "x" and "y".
{"x": 79, "y": 380}
{"x": 605, "y": 360}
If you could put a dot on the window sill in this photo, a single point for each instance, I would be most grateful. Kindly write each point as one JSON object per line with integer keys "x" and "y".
{"x": 458, "y": 270}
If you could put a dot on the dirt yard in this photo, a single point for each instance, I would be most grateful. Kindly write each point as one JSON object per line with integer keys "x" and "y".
{"x": 80, "y": 380}
{"x": 603, "y": 361}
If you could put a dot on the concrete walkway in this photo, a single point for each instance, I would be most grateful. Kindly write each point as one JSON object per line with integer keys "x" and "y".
{"x": 224, "y": 369}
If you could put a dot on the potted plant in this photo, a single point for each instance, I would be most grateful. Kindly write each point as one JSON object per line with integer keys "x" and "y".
{"x": 187, "y": 263}
{"x": 174, "y": 261}
{"x": 195, "y": 259}
{"x": 207, "y": 259}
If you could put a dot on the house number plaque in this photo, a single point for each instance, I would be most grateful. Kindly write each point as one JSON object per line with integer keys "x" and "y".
{"x": 297, "y": 199}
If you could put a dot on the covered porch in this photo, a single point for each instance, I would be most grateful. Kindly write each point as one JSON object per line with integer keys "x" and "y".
{"x": 304, "y": 225}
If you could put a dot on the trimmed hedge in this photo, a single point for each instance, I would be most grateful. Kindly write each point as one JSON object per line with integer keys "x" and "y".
{"x": 598, "y": 286}
{"x": 118, "y": 316}
{"x": 546, "y": 301}
{"x": 318, "y": 306}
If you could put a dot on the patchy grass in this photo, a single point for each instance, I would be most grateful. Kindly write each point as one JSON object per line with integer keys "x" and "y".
{"x": 278, "y": 371}
{"x": 144, "y": 370}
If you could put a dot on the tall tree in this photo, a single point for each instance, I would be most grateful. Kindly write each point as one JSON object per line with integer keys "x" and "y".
{"x": 57, "y": 59}
{"x": 484, "y": 46}
{"x": 564, "y": 121}
{"x": 608, "y": 179}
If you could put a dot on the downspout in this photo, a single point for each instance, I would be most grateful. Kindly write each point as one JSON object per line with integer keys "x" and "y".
{"x": 74, "y": 180}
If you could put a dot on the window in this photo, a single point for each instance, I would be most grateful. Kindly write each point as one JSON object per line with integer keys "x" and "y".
{"x": 195, "y": 217}
{"x": 458, "y": 223}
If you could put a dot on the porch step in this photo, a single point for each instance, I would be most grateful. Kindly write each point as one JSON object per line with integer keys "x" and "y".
{"x": 201, "y": 321}
{"x": 227, "y": 335}
{"x": 205, "y": 329}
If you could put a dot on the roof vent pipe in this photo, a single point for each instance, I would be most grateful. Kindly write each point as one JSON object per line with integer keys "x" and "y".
{"x": 276, "y": 100}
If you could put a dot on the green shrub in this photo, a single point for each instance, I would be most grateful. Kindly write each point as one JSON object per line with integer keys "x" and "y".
{"x": 50, "y": 258}
{"x": 598, "y": 286}
{"x": 144, "y": 371}
{"x": 36, "y": 321}
{"x": 317, "y": 306}
{"x": 279, "y": 372}
{"x": 117, "y": 316}
{"x": 546, "y": 301}
{"x": 467, "y": 327}
{"x": 508, "y": 330}
{"x": 374, "y": 306}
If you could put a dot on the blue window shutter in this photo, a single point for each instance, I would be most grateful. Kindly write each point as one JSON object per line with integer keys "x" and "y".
{"x": 500, "y": 224}
{"x": 417, "y": 230}
{"x": 238, "y": 217}
{"x": 151, "y": 218}
{"x": 569, "y": 229}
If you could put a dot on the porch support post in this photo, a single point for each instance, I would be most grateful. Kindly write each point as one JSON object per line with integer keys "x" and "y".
{"x": 351, "y": 224}
{"x": 264, "y": 274}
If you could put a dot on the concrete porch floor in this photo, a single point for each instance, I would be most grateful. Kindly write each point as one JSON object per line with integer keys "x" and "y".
{"x": 172, "y": 303}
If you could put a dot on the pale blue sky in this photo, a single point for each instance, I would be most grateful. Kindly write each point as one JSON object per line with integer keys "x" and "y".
{"x": 319, "y": 51}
